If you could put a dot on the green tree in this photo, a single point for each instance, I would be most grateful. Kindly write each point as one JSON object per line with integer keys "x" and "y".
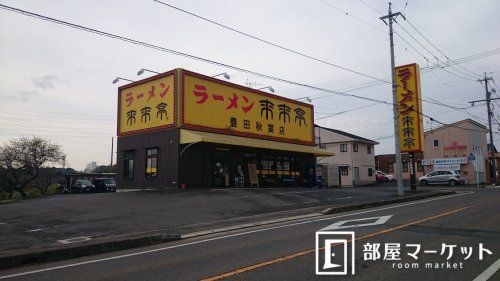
{"x": 21, "y": 160}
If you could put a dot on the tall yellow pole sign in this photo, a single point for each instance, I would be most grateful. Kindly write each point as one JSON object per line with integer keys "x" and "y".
{"x": 147, "y": 105}
{"x": 411, "y": 134}
{"x": 225, "y": 108}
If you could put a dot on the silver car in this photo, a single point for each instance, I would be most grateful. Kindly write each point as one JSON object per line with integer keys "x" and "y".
{"x": 451, "y": 178}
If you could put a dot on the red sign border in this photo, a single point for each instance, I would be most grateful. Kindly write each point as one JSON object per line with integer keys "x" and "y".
{"x": 157, "y": 128}
{"x": 235, "y": 133}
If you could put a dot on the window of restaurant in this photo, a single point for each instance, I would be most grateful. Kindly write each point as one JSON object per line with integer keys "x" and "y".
{"x": 405, "y": 167}
{"x": 355, "y": 147}
{"x": 391, "y": 168}
{"x": 128, "y": 164}
{"x": 151, "y": 162}
{"x": 370, "y": 172}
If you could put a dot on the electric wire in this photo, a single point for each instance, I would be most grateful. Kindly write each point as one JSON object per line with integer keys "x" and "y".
{"x": 179, "y": 53}
{"x": 163, "y": 49}
{"x": 449, "y": 60}
{"x": 268, "y": 42}
{"x": 354, "y": 17}
{"x": 470, "y": 77}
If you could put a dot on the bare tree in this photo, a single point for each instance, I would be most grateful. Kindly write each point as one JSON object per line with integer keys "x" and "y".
{"x": 45, "y": 178}
{"x": 21, "y": 160}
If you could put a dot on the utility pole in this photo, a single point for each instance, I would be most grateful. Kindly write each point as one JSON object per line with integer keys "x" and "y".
{"x": 399, "y": 168}
{"x": 488, "y": 100}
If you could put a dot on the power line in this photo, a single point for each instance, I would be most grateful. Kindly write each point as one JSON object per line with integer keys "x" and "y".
{"x": 449, "y": 60}
{"x": 406, "y": 5}
{"x": 354, "y": 17}
{"x": 268, "y": 42}
{"x": 346, "y": 111}
{"x": 432, "y": 54}
{"x": 163, "y": 49}
{"x": 371, "y": 7}
{"x": 171, "y": 51}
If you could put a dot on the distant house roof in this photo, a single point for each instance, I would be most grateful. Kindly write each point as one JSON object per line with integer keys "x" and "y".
{"x": 456, "y": 125}
{"x": 352, "y": 136}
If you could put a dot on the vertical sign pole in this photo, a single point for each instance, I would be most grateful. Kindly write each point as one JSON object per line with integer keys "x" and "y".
{"x": 413, "y": 177}
{"x": 477, "y": 172}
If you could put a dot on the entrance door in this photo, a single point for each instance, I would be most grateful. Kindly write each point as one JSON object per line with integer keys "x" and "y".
{"x": 356, "y": 176}
{"x": 220, "y": 173}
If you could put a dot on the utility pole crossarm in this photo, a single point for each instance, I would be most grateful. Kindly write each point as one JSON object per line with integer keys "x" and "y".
{"x": 474, "y": 101}
{"x": 392, "y": 15}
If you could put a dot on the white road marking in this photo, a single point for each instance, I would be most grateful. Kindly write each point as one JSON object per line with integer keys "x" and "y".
{"x": 489, "y": 272}
{"x": 74, "y": 240}
{"x": 341, "y": 224}
{"x": 280, "y": 193}
{"x": 40, "y": 229}
{"x": 350, "y": 197}
{"x": 223, "y": 237}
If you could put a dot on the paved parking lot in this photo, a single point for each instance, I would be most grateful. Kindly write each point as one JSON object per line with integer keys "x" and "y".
{"x": 71, "y": 218}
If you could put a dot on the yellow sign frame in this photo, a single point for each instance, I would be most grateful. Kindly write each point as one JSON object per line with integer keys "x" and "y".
{"x": 131, "y": 92}
{"x": 222, "y": 90}
{"x": 409, "y": 99}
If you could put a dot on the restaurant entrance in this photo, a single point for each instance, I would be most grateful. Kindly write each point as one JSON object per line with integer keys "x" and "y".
{"x": 220, "y": 172}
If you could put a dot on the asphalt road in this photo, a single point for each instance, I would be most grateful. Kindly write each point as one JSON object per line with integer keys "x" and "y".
{"x": 50, "y": 221}
{"x": 287, "y": 251}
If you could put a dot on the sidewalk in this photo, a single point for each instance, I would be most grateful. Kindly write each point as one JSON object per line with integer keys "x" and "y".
{"x": 67, "y": 226}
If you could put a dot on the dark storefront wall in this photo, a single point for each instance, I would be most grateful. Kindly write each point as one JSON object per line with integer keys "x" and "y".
{"x": 167, "y": 142}
{"x": 208, "y": 165}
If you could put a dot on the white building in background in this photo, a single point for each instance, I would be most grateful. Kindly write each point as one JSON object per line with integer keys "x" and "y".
{"x": 354, "y": 155}
{"x": 91, "y": 167}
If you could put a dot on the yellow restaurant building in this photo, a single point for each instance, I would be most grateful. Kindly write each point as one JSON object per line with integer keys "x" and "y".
{"x": 184, "y": 129}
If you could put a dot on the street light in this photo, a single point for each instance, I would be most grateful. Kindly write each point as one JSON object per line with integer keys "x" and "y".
{"x": 223, "y": 74}
{"x": 120, "y": 78}
{"x": 140, "y": 72}
{"x": 268, "y": 87}
{"x": 305, "y": 98}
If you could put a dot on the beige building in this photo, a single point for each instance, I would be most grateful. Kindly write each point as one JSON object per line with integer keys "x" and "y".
{"x": 448, "y": 148}
{"x": 354, "y": 155}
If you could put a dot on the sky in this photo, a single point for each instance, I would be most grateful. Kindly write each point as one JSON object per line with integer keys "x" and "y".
{"x": 56, "y": 82}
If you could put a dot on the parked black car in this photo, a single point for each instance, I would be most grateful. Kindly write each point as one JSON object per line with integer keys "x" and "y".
{"x": 105, "y": 185}
{"x": 80, "y": 186}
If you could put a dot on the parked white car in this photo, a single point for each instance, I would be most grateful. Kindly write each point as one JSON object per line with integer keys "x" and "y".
{"x": 451, "y": 178}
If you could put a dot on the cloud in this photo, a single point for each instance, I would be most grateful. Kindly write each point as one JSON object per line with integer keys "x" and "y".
{"x": 22, "y": 95}
{"x": 47, "y": 82}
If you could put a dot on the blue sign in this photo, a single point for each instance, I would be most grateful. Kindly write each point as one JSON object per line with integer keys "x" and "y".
{"x": 471, "y": 156}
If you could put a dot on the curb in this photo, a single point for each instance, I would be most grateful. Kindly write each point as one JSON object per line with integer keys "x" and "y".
{"x": 247, "y": 225}
{"x": 335, "y": 210}
{"x": 62, "y": 253}
{"x": 92, "y": 247}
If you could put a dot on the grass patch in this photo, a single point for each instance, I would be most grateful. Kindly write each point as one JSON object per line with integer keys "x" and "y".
{"x": 31, "y": 193}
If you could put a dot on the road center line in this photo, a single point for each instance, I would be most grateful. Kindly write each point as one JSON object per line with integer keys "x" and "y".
{"x": 225, "y": 236}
